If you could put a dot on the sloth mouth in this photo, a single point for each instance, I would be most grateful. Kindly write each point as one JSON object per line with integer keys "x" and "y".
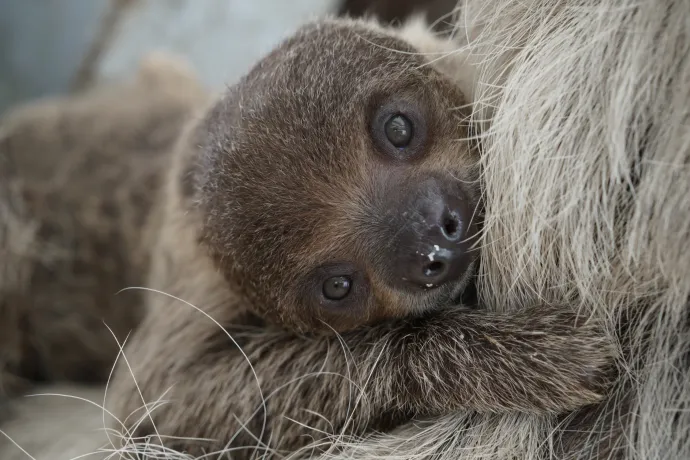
{"x": 462, "y": 293}
{"x": 456, "y": 295}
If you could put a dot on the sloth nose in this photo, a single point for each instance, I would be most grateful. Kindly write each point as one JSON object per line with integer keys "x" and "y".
{"x": 433, "y": 247}
{"x": 442, "y": 261}
{"x": 439, "y": 253}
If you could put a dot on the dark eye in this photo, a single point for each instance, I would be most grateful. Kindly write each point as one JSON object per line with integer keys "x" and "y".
{"x": 337, "y": 287}
{"x": 399, "y": 131}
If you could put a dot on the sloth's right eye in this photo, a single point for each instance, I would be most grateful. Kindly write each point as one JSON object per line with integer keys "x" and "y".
{"x": 337, "y": 287}
{"x": 398, "y": 130}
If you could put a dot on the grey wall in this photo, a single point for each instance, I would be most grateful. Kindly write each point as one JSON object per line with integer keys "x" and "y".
{"x": 43, "y": 43}
{"x": 220, "y": 37}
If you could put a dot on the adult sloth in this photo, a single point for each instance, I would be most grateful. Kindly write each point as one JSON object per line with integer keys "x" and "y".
{"x": 586, "y": 166}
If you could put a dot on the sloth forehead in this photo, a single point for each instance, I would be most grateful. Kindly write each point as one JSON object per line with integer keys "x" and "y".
{"x": 313, "y": 90}
{"x": 328, "y": 65}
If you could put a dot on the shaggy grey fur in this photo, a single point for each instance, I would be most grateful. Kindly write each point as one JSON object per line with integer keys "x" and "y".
{"x": 576, "y": 214}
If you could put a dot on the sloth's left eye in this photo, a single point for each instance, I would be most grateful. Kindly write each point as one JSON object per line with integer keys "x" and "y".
{"x": 337, "y": 287}
{"x": 399, "y": 131}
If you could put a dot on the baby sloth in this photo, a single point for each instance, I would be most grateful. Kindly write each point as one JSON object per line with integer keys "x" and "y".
{"x": 333, "y": 189}
{"x": 329, "y": 205}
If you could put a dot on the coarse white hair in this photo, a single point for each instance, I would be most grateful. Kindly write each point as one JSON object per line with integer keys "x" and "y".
{"x": 585, "y": 106}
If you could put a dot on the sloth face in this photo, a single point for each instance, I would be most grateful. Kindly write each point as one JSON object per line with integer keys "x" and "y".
{"x": 337, "y": 184}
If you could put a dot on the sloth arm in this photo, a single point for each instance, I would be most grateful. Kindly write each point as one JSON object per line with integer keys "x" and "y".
{"x": 534, "y": 360}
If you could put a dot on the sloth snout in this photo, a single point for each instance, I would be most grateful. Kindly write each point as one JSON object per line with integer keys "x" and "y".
{"x": 431, "y": 246}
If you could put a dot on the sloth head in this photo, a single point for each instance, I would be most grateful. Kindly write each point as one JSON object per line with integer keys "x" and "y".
{"x": 336, "y": 182}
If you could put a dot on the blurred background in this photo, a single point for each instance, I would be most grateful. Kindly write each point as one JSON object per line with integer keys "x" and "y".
{"x": 55, "y": 46}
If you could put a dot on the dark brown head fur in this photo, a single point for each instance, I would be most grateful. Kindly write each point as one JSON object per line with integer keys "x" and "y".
{"x": 297, "y": 183}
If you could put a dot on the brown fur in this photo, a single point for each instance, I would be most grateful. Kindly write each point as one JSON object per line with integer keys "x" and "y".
{"x": 15, "y": 234}
{"x": 77, "y": 190}
{"x": 537, "y": 360}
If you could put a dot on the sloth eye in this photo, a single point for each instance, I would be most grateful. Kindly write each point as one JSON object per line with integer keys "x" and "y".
{"x": 337, "y": 287}
{"x": 398, "y": 130}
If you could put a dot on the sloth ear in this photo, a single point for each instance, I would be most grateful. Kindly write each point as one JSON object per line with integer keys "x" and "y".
{"x": 188, "y": 164}
{"x": 196, "y": 140}
{"x": 188, "y": 179}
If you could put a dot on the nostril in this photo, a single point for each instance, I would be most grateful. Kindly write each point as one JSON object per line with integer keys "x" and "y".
{"x": 451, "y": 228}
{"x": 434, "y": 269}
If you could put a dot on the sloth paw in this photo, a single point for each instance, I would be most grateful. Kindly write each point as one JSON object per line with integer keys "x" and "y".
{"x": 577, "y": 363}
